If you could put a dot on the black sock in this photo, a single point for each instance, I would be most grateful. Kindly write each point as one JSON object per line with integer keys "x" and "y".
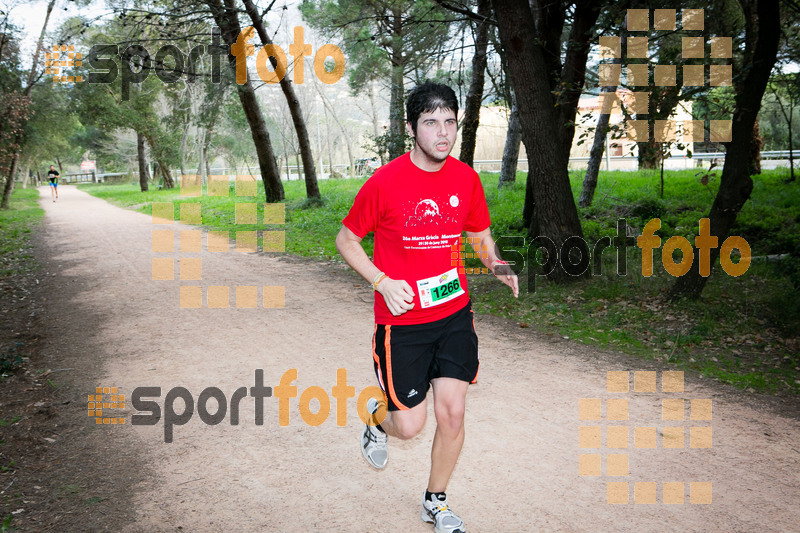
{"x": 380, "y": 428}
{"x": 439, "y": 496}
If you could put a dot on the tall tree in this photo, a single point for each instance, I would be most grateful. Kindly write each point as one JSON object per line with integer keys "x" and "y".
{"x": 227, "y": 19}
{"x": 43, "y": 143}
{"x": 600, "y": 135}
{"x": 104, "y": 106}
{"x": 508, "y": 166}
{"x": 534, "y": 66}
{"x": 144, "y": 171}
{"x": 735, "y": 183}
{"x": 384, "y": 40}
{"x": 16, "y": 144}
{"x": 309, "y": 171}
{"x": 786, "y": 91}
{"x": 472, "y": 105}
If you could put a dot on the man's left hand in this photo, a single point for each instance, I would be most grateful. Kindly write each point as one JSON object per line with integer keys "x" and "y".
{"x": 504, "y": 273}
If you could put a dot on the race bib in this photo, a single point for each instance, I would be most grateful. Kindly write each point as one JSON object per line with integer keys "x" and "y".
{"x": 439, "y": 289}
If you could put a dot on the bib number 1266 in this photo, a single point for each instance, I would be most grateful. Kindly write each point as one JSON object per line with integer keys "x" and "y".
{"x": 439, "y": 289}
{"x": 443, "y": 291}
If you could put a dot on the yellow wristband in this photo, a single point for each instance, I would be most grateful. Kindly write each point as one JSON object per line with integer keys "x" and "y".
{"x": 378, "y": 278}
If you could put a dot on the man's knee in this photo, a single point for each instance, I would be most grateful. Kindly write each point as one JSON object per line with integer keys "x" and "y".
{"x": 408, "y": 425}
{"x": 450, "y": 415}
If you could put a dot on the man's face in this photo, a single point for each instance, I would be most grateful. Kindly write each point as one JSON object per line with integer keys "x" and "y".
{"x": 436, "y": 135}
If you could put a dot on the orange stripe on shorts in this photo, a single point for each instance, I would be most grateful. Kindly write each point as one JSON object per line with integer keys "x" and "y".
{"x": 388, "y": 347}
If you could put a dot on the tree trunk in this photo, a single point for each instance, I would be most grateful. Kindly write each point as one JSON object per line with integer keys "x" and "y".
{"x": 595, "y": 157}
{"x": 309, "y": 170}
{"x": 348, "y": 140}
{"x": 600, "y": 136}
{"x": 648, "y": 154}
{"x": 791, "y": 150}
{"x": 328, "y": 141}
{"x": 556, "y": 216}
{"x": 755, "y": 150}
{"x": 169, "y": 183}
{"x": 184, "y": 139}
{"x": 9, "y": 186}
{"x": 163, "y": 167}
{"x": 735, "y": 183}
{"x": 156, "y": 173}
{"x": 396, "y": 112}
{"x": 270, "y": 174}
{"x": 529, "y": 205}
{"x": 508, "y": 168}
{"x": 472, "y": 107}
{"x": 573, "y": 74}
{"x": 201, "y": 167}
{"x": 375, "y": 127}
{"x": 206, "y": 149}
{"x": 143, "y": 172}
{"x": 752, "y": 27}
{"x": 548, "y": 23}
{"x": 226, "y": 19}
{"x": 26, "y": 176}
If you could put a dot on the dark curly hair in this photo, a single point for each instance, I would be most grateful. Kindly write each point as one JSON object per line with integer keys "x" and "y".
{"x": 428, "y": 97}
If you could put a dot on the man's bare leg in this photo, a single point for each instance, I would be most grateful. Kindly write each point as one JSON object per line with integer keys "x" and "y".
{"x": 449, "y": 398}
{"x": 406, "y": 424}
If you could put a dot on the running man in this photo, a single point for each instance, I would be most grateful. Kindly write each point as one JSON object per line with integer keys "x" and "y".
{"x": 52, "y": 175}
{"x": 418, "y": 207}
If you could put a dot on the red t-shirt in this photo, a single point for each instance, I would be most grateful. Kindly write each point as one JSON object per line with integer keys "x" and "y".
{"x": 418, "y": 218}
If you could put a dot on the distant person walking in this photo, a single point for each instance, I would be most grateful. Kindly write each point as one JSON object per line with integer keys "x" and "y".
{"x": 53, "y": 175}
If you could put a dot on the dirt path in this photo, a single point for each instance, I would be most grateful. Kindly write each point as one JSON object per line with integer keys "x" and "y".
{"x": 519, "y": 470}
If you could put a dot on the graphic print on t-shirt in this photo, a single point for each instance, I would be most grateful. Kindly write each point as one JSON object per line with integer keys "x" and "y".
{"x": 427, "y": 214}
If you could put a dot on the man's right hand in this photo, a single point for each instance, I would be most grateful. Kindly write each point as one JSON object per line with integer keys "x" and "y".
{"x": 398, "y": 295}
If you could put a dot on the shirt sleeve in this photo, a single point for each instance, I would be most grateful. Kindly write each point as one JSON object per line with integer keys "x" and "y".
{"x": 365, "y": 212}
{"x": 478, "y": 218}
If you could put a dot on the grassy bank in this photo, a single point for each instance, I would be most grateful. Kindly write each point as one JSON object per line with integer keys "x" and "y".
{"x": 16, "y": 226}
{"x": 17, "y": 263}
{"x": 744, "y": 330}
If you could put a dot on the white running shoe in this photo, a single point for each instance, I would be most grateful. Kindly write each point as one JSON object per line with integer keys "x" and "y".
{"x": 373, "y": 440}
{"x": 444, "y": 520}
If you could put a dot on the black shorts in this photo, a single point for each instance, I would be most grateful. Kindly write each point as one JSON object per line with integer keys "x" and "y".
{"x": 407, "y": 358}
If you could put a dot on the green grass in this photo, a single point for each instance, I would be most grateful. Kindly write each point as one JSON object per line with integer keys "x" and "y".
{"x": 17, "y": 262}
{"x": 16, "y": 225}
{"x": 742, "y": 331}
{"x": 4, "y": 422}
{"x": 310, "y": 230}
